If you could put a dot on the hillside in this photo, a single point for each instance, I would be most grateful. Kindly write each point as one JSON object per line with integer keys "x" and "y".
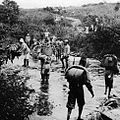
{"x": 34, "y": 13}
{"x": 93, "y": 9}
{"x": 73, "y": 26}
{"x": 101, "y": 9}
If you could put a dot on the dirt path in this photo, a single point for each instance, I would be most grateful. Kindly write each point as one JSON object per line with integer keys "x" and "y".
{"x": 52, "y": 97}
{"x": 75, "y": 22}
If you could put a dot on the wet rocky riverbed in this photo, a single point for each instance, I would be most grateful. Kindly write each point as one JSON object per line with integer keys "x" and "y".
{"x": 51, "y": 98}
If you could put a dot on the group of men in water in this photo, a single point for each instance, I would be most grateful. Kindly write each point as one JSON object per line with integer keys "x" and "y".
{"x": 76, "y": 75}
{"x": 49, "y": 45}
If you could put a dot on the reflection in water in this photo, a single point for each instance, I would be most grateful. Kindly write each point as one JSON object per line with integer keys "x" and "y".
{"x": 44, "y": 106}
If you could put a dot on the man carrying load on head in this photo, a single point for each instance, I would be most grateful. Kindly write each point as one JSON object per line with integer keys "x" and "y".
{"x": 77, "y": 76}
{"x": 109, "y": 62}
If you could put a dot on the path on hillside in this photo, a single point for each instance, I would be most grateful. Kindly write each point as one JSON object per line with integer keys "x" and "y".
{"x": 75, "y": 22}
{"x": 53, "y": 96}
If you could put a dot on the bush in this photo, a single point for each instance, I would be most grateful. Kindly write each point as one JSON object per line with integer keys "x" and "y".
{"x": 14, "y": 96}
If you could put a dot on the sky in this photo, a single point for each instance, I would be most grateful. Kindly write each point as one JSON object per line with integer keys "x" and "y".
{"x": 54, "y": 3}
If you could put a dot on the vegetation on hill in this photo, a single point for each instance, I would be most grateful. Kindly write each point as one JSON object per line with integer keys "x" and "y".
{"x": 16, "y": 23}
{"x": 103, "y": 40}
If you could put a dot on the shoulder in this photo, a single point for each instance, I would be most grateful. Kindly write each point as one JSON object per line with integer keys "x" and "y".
{"x": 73, "y": 68}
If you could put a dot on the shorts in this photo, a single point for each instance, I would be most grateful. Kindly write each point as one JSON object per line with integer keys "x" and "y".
{"x": 27, "y": 56}
{"x": 108, "y": 81}
{"x": 73, "y": 96}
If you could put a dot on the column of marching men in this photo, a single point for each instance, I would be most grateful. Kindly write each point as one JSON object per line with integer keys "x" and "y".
{"x": 50, "y": 48}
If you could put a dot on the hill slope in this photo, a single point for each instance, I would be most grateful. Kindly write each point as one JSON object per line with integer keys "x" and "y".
{"x": 93, "y": 9}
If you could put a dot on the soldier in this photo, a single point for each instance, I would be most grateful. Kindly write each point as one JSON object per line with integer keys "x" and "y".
{"x": 45, "y": 57}
{"x": 109, "y": 62}
{"x": 58, "y": 50}
{"x": 28, "y": 40}
{"x": 26, "y": 52}
{"x": 77, "y": 76}
{"x": 65, "y": 56}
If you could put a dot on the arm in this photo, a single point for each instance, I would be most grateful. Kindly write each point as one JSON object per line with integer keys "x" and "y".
{"x": 88, "y": 84}
{"x": 21, "y": 48}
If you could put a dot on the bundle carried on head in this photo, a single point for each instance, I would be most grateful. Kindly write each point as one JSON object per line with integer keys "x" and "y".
{"x": 78, "y": 74}
{"x": 109, "y": 61}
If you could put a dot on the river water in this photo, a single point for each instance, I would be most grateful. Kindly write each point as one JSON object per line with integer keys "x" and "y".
{"x": 51, "y": 98}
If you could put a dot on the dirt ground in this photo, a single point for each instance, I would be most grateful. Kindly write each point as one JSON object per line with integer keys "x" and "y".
{"x": 51, "y": 98}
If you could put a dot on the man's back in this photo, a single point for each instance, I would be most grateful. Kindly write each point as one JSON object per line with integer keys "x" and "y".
{"x": 78, "y": 76}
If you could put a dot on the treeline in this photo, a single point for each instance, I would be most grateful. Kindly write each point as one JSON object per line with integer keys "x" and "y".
{"x": 11, "y": 27}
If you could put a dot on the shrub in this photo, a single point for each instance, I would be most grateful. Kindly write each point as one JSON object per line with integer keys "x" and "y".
{"x": 14, "y": 96}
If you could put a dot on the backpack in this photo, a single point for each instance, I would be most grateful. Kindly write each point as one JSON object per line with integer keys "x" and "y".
{"x": 109, "y": 61}
{"x": 76, "y": 75}
{"x": 47, "y": 50}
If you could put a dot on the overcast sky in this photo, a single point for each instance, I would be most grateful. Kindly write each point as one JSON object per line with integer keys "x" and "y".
{"x": 44, "y": 3}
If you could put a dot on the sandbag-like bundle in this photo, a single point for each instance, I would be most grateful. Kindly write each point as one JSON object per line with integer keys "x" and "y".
{"x": 47, "y": 50}
{"x": 77, "y": 74}
{"x": 109, "y": 61}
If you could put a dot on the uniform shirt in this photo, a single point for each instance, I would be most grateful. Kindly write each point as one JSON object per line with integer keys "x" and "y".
{"x": 25, "y": 49}
{"x": 46, "y": 49}
{"x": 46, "y": 34}
{"x": 66, "y": 51}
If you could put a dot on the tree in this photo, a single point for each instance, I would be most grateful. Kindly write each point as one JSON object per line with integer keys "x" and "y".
{"x": 49, "y": 20}
{"x": 12, "y": 11}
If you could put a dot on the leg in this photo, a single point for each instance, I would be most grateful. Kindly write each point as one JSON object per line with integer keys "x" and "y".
{"x": 62, "y": 60}
{"x": 105, "y": 90}
{"x": 70, "y": 103}
{"x": 42, "y": 70}
{"x": 59, "y": 55}
{"x": 13, "y": 56}
{"x": 10, "y": 57}
{"x": 80, "y": 112}
{"x": 25, "y": 60}
{"x": 106, "y": 83}
{"x": 66, "y": 60}
{"x": 109, "y": 92}
{"x": 69, "y": 113}
{"x": 110, "y": 86}
{"x": 56, "y": 57}
{"x": 42, "y": 77}
{"x": 46, "y": 74}
{"x": 47, "y": 78}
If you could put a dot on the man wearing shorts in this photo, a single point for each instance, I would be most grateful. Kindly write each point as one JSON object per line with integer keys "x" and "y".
{"x": 77, "y": 76}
